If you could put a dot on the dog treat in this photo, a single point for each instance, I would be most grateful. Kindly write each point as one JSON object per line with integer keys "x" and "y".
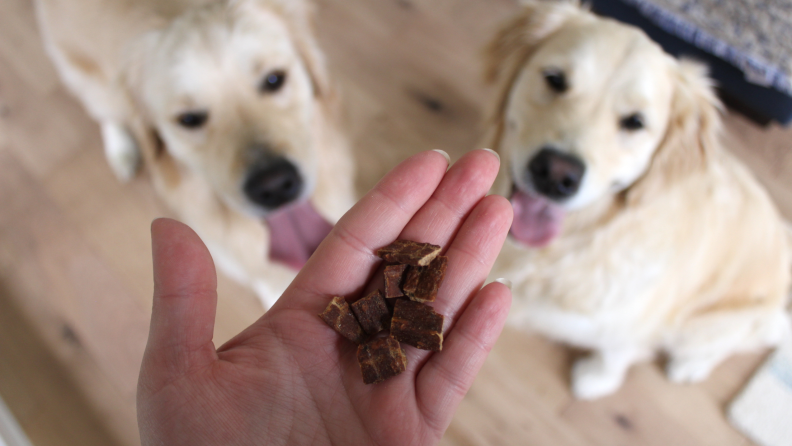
{"x": 338, "y": 316}
{"x": 414, "y": 276}
{"x": 394, "y": 274}
{"x": 391, "y": 302}
{"x": 380, "y": 359}
{"x": 408, "y": 252}
{"x": 411, "y": 280}
{"x": 422, "y": 282}
{"x": 372, "y": 313}
{"x": 418, "y": 325}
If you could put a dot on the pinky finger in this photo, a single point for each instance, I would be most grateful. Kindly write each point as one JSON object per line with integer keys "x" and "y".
{"x": 447, "y": 376}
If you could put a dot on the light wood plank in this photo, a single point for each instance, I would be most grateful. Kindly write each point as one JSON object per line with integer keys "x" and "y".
{"x": 75, "y": 256}
{"x": 43, "y": 394}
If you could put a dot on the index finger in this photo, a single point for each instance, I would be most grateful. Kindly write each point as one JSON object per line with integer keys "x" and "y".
{"x": 345, "y": 260}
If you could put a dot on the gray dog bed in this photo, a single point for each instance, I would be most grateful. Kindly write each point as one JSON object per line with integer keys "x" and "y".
{"x": 747, "y": 43}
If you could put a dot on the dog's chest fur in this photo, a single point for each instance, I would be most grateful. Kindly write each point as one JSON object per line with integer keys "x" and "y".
{"x": 581, "y": 288}
{"x": 637, "y": 272}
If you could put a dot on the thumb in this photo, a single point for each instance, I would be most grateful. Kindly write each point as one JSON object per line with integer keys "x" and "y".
{"x": 185, "y": 301}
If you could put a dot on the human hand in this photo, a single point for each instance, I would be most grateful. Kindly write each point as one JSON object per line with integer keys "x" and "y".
{"x": 289, "y": 378}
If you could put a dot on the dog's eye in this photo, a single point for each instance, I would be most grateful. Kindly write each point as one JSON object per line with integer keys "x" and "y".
{"x": 192, "y": 120}
{"x": 273, "y": 82}
{"x": 633, "y": 122}
{"x": 556, "y": 80}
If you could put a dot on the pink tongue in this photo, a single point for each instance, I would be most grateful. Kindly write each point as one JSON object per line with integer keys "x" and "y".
{"x": 537, "y": 220}
{"x": 295, "y": 233}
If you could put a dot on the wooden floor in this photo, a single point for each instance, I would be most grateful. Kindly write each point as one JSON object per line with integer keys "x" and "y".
{"x": 75, "y": 279}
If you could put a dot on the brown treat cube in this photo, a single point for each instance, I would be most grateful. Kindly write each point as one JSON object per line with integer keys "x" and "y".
{"x": 394, "y": 274}
{"x": 338, "y": 316}
{"x": 380, "y": 359}
{"x": 418, "y": 325}
{"x": 411, "y": 280}
{"x": 423, "y": 282}
{"x": 392, "y": 301}
{"x": 409, "y": 252}
{"x": 372, "y": 313}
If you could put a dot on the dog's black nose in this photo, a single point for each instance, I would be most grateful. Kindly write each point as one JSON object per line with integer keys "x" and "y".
{"x": 273, "y": 184}
{"x": 556, "y": 174}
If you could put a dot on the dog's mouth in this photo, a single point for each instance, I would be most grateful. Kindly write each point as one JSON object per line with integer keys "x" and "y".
{"x": 295, "y": 233}
{"x": 537, "y": 219}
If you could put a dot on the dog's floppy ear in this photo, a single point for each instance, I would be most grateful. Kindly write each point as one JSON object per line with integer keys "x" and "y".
{"x": 691, "y": 139}
{"x": 132, "y": 80}
{"x": 299, "y": 16}
{"x": 519, "y": 36}
{"x": 311, "y": 55}
{"x": 511, "y": 48}
{"x": 155, "y": 153}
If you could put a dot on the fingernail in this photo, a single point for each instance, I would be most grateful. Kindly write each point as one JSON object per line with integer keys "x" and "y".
{"x": 494, "y": 153}
{"x": 445, "y": 155}
{"x": 506, "y": 282}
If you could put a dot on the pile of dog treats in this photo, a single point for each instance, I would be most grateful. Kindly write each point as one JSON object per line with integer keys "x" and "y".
{"x": 413, "y": 274}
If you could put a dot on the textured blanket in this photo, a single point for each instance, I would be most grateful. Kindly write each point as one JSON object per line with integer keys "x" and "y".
{"x": 753, "y": 35}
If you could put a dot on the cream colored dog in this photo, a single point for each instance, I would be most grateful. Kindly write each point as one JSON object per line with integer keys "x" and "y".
{"x": 635, "y": 232}
{"x": 229, "y": 107}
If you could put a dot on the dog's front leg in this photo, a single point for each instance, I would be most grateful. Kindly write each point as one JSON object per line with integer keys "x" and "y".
{"x": 269, "y": 291}
{"x": 247, "y": 265}
{"x": 121, "y": 150}
{"x": 603, "y": 371}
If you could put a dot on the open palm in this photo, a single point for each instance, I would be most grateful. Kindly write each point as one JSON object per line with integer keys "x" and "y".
{"x": 289, "y": 378}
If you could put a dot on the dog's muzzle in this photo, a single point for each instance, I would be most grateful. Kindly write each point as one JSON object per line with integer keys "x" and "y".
{"x": 555, "y": 174}
{"x": 295, "y": 227}
{"x": 550, "y": 177}
{"x": 273, "y": 184}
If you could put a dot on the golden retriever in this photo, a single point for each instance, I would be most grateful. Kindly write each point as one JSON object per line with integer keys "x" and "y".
{"x": 635, "y": 232}
{"x": 228, "y": 105}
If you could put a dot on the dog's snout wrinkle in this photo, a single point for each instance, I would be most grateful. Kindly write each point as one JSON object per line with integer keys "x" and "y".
{"x": 274, "y": 183}
{"x": 556, "y": 174}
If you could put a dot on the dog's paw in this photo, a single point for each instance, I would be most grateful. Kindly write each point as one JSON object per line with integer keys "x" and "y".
{"x": 687, "y": 371}
{"x": 121, "y": 151}
{"x": 269, "y": 292}
{"x": 591, "y": 379}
